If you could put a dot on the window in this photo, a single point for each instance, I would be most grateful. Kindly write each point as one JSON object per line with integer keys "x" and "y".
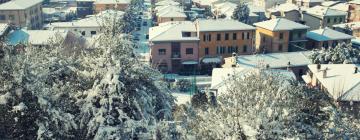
{"x": 263, "y": 39}
{"x": 2, "y": 17}
{"x": 93, "y": 32}
{"x": 204, "y": 38}
{"x": 234, "y": 36}
{"x": 340, "y": 20}
{"x": 335, "y": 20}
{"x": 281, "y": 35}
{"x": 223, "y": 49}
{"x": 218, "y": 50}
{"x": 206, "y": 51}
{"x": 328, "y": 20}
{"x": 226, "y": 36}
{"x": 230, "y": 49}
{"x": 11, "y": 17}
{"x": 162, "y": 51}
{"x": 172, "y": 19}
{"x": 280, "y": 47}
{"x": 248, "y": 35}
{"x": 245, "y": 48}
{"x": 189, "y": 50}
{"x": 218, "y": 37}
{"x": 83, "y": 33}
{"x": 186, "y": 34}
{"x": 299, "y": 35}
{"x": 209, "y": 37}
{"x": 242, "y": 35}
{"x": 325, "y": 44}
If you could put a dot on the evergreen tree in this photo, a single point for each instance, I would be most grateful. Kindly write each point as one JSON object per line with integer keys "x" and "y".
{"x": 241, "y": 13}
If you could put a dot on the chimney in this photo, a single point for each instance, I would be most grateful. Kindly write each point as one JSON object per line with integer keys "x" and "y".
{"x": 356, "y": 70}
{"x": 288, "y": 66}
{"x": 318, "y": 67}
{"x": 325, "y": 73}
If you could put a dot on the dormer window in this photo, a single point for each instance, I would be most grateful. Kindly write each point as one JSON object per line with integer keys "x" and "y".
{"x": 186, "y": 34}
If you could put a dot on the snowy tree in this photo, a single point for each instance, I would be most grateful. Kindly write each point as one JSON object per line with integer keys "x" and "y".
{"x": 128, "y": 21}
{"x": 98, "y": 91}
{"x": 342, "y": 53}
{"x": 268, "y": 107}
{"x": 241, "y": 13}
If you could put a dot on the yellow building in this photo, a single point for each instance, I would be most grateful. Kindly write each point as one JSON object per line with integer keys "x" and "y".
{"x": 280, "y": 35}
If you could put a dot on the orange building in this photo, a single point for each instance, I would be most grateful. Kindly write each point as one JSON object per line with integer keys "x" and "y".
{"x": 222, "y": 38}
{"x": 101, "y": 5}
{"x": 280, "y": 35}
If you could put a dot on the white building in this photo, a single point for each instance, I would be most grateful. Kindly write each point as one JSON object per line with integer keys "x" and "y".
{"x": 266, "y": 4}
{"x": 88, "y": 26}
{"x": 321, "y": 17}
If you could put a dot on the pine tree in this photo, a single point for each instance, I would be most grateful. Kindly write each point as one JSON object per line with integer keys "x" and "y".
{"x": 241, "y": 13}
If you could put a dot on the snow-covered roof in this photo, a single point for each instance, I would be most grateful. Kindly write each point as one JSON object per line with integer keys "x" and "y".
{"x": 354, "y": 2}
{"x": 352, "y": 25}
{"x": 170, "y": 11}
{"x": 166, "y": 3}
{"x": 280, "y": 24}
{"x": 172, "y": 31}
{"x": 310, "y": 1}
{"x": 222, "y": 25}
{"x": 33, "y": 37}
{"x": 92, "y": 21}
{"x": 112, "y": 2}
{"x": 321, "y": 11}
{"x": 275, "y": 60}
{"x": 329, "y": 3}
{"x": 327, "y": 34}
{"x": 3, "y": 28}
{"x": 340, "y": 81}
{"x": 222, "y": 76}
{"x": 19, "y": 4}
{"x": 285, "y": 7}
{"x": 226, "y": 8}
{"x": 341, "y": 7}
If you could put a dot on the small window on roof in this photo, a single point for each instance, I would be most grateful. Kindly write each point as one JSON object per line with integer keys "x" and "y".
{"x": 186, "y": 34}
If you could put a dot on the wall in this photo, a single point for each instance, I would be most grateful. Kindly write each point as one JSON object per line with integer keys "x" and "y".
{"x": 354, "y": 13}
{"x": 156, "y": 59}
{"x": 311, "y": 21}
{"x": 31, "y": 17}
{"x": 239, "y": 42}
{"x": 272, "y": 40}
{"x": 102, "y": 7}
{"x": 166, "y": 19}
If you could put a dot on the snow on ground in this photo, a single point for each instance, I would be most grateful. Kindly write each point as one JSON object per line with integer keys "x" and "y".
{"x": 182, "y": 98}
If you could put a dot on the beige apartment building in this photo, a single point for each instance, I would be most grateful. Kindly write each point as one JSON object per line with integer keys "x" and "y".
{"x": 22, "y": 13}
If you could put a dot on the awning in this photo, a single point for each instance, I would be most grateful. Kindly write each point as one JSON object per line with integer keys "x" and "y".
{"x": 190, "y": 62}
{"x": 211, "y": 60}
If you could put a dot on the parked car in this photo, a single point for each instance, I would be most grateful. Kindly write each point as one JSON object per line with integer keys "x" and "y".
{"x": 136, "y": 38}
{"x": 145, "y": 23}
{"x": 147, "y": 36}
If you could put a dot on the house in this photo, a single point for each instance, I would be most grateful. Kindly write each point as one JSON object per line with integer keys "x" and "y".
{"x": 204, "y": 3}
{"x": 266, "y": 4}
{"x": 308, "y": 3}
{"x": 221, "y": 38}
{"x": 224, "y": 9}
{"x": 351, "y": 28}
{"x": 257, "y": 14}
{"x": 169, "y": 13}
{"x": 87, "y": 27}
{"x": 22, "y": 13}
{"x": 287, "y": 10}
{"x": 36, "y": 38}
{"x": 293, "y": 61}
{"x": 101, "y": 5}
{"x": 56, "y": 14}
{"x": 321, "y": 17}
{"x": 280, "y": 35}
{"x": 354, "y": 11}
{"x": 174, "y": 47}
{"x": 340, "y": 81}
{"x": 211, "y": 40}
{"x": 167, "y": 3}
{"x": 84, "y": 8}
{"x": 325, "y": 38}
{"x": 222, "y": 78}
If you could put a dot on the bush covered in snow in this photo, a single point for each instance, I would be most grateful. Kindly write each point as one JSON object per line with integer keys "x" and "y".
{"x": 341, "y": 54}
{"x": 183, "y": 85}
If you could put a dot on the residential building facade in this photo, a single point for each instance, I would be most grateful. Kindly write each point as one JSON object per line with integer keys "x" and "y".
{"x": 101, "y": 5}
{"x": 280, "y": 35}
{"x": 308, "y": 3}
{"x": 354, "y": 11}
{"x": 174, "y": 47}
{"x": 84, "y": 8}
{"x": 325, "y": 38}
{"x": 22, "y": 13}
{"x": 351, "y": 28}
{"x": 266, "y": 4}
{"x": 286, "y": 10}
{"x": 321, "y": 17}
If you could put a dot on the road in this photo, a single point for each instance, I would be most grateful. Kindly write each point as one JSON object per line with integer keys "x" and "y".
{"x": 143, "y": 43}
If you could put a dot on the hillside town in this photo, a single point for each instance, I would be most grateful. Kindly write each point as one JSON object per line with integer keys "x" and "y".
{"x": 180, "y": 69}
